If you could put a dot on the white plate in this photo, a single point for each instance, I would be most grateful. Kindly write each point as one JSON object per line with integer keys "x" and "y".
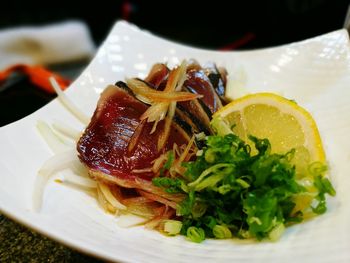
{"x": 315, "y": 72}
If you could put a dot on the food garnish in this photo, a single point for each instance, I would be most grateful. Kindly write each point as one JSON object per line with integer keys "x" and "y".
{"x": 171, "y": 150}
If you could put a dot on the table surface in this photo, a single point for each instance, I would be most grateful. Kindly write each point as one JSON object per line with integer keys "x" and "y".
{"x": 20, "y": 244}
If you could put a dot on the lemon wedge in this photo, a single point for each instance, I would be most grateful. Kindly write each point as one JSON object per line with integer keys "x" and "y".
{"x": 282, "y": 121}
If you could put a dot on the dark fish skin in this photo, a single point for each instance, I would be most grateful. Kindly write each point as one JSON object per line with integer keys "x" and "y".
{"x": 123, "y": 86}
{"x": 194, "y": 109}
{"x": 217, "y": 79}
{"x": 192, "y": 118}
{"x": 199, "y": 83}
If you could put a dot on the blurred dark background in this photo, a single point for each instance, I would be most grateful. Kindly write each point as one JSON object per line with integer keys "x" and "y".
{"x": 224, "y": 25}
{"x": 211, "y": 24}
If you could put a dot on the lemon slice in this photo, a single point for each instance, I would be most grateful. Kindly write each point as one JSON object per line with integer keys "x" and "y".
{"x": 282, "y": 121}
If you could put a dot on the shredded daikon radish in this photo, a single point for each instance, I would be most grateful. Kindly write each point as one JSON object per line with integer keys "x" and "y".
{"x": 53, "y": 165}
{"x": 139, "y": 184}
{"x": 142, "y": 209}
{"x": 70, "y": 143}
{"x": 68, "y": 103}
{"x": 130, "y": 220}
{"x": 102, "y": 201}
{"x": 159, "y": 162}
{"x": 165, "y": 214}
{"x": 66, "y": 130}
{"x": 89, "y": 191}
{"x": 110, "y": 197}
{"x": 185, "y": 155}
{"x": 79, "y": 169}
{"x": 186, "y": 151}
{"x": 79, "y": 180}
{"x": 157, "y": 198}
{"x": 55, "y": 143}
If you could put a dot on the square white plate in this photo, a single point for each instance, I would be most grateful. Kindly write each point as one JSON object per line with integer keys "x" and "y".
{"x": 315, "y": 73}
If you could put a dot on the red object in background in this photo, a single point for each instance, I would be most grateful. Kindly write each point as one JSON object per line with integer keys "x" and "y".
{"x": 238, "y": 43}
{"x": 38, "y": 76}
{"x": 126, "y": 10}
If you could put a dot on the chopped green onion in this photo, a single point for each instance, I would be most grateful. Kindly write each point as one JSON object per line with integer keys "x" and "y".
{"x": 204, "y": 180}
{"x": 220, "y": 126}
{"x": 324, "y": 185}
{"x": 198, "y": 209}
{"x": 172, "y": 227}
{"x": 230, "y": 191}
{"x": 221, "y": 232}
{"x": 209, "y": 156}
{"x": 317, "y": 168}
{"x": 242, "y": 183}
{"x": 195, "y": 234}
{"x": 277, "y": 232}
{"x": 200, "y": 136}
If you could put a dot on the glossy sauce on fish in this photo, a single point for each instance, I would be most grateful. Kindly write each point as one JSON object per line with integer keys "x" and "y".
{"x": 104, "y": 144}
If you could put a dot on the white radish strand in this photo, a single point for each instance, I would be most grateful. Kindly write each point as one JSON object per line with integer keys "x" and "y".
{"x": 66, "y": 130}
{"x": 79, "y": 169}
{"x": 89, "y": 191}
{"x": 55, "y": 143}
{"x": 68, "y": 103}
{"x": 79, "y": 180}
{"x": 110, "y": 197}
{"x": 130, "y": 220}
{"x": 66, "y": 157}
{"x": 53, "y": 165}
